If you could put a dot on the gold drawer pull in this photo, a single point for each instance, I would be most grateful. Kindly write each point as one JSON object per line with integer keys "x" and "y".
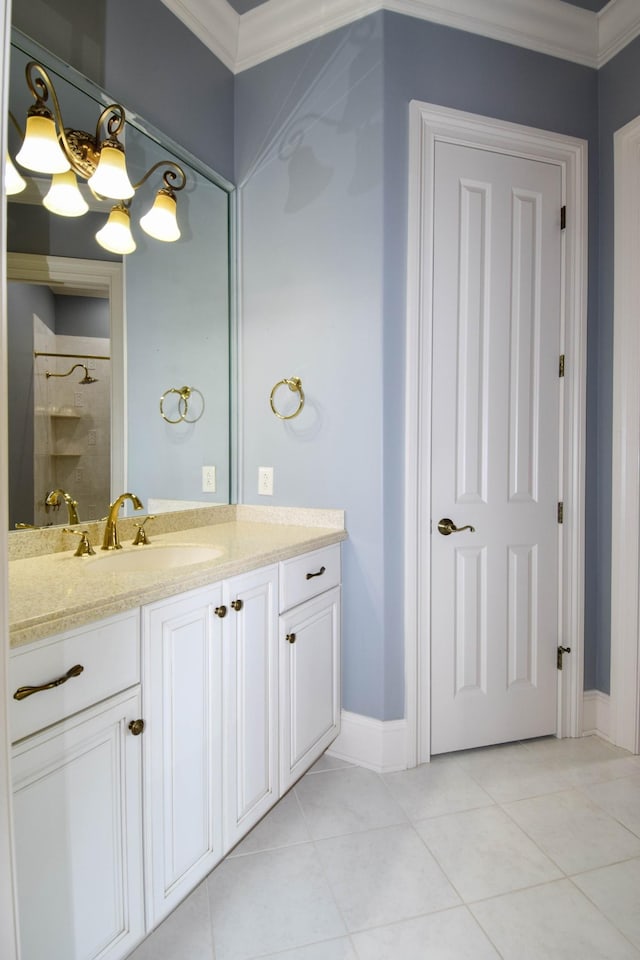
{"x": 291, "y": 637}
{"x": 221, "y": 611}
{"x": 310, "y": 576}
{"x": 23, "y": 692}
{"x": 237, "y": 605}
{"x": 136, "y": 727}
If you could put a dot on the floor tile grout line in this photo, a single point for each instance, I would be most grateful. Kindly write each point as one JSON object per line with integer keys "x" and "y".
{"x": 601, "y": 912}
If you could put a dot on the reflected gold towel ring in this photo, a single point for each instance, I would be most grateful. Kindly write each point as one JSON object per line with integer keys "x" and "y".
{"x": 295, "y": 385}
{"x": 184, "y": 395}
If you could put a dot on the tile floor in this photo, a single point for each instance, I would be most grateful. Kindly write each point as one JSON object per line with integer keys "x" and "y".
{"x": 528, "y": 851}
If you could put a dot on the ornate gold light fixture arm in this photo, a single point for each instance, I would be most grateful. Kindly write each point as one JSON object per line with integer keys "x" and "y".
{"x": 174, "y": 176}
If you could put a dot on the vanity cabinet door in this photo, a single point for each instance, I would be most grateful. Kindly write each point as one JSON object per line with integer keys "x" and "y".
{"x": 77, "y": 828}
{"x": 182, "y": 658}
{"x": 309, "y": 684}
{"x": 250, "y": 767}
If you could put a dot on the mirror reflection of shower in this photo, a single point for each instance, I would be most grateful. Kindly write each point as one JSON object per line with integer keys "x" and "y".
{"x": 59, "y": 401}
{"x": 73, "y": 426}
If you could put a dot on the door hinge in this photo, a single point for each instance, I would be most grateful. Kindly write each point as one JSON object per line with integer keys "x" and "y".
{"x": 562, "y": 650}
{"x": 563, "y": 218}
{"x": 561, "y": 512}
{"x": 561, "y": 366}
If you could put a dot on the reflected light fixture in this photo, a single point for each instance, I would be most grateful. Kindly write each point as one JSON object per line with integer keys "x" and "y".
{"x": 50, "y": 147}
{"x": 13, "y": 182}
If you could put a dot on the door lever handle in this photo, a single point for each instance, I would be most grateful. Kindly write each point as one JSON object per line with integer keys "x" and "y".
{"x": 446, "y": 526}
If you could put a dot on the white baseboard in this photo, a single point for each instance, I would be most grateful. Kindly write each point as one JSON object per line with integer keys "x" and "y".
{"x": 376, "y": 744}
{"x": 595, "y": 714}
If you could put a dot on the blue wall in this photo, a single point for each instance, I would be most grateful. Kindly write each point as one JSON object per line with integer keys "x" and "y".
{"x": 321, "y": 161}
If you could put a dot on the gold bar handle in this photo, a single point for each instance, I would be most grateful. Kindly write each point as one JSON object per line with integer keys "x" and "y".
{"x": 23, "y": 692}
{"x": 310, "y": 576}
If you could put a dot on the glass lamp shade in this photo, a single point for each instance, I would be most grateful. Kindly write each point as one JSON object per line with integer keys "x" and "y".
{"x": 13, "y": 182}
{"x": 110, "y": 178}
{"x": 116, "y": 235}
{"x": 64, "y": 197}
{"x": 40, "y": 150}
{"x": 161, "y": 222}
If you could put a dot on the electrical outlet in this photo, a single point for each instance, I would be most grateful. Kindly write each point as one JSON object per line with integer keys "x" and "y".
{"x": 265, "y": 481}
{"x": 92, "y": 438}
{"x": 78, "y": 475}
{"x": 208, "y": 479}
{"x": 78, "y": 399}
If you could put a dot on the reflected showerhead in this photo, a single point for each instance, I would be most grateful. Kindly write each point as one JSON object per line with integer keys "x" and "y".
{"x": 85, "y": 379}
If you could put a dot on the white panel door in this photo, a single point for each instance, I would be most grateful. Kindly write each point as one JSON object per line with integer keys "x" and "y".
{"x": 309, "y": 683}
{"x": 77, "y": 827}
{"x": 495, "y": 443}
{"x": 182, "y": 657}
{"x": 250, "y": 671}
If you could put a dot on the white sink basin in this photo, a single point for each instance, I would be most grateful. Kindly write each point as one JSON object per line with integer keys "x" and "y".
{"x": 146, "y": 559}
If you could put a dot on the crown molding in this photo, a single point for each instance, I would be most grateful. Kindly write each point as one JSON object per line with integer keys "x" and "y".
{"x": 618, "y": 25}
{"x": 558, "y": 29}
{"x": 214, "y": 22}
{"x": 547, "y": 26}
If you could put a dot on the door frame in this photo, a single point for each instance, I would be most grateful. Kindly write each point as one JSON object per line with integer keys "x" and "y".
{"x": 624, "y": 700}
{"x": 429, "y": 124}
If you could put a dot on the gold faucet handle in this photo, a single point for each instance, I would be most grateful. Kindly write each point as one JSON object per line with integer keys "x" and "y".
{"x": 84, "y": 547}
{"x": 141, "y": 537}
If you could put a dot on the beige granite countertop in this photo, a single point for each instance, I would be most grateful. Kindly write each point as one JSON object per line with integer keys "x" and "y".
{"x": 56, "y": 591}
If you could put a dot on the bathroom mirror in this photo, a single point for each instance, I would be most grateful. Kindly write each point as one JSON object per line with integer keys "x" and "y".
{"x": 139, "y": 327}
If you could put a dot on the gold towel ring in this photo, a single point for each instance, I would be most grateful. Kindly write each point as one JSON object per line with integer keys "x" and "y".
{"x": 295, "y": 385}
{"x": 184, "y": 393}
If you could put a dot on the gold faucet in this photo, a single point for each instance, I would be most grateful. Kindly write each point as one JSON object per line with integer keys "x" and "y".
{"x": 110, "y": 540}
{"x": 52, "y": 499}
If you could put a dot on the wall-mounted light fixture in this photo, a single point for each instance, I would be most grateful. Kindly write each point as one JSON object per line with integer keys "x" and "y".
{"x": 51, "y": 148}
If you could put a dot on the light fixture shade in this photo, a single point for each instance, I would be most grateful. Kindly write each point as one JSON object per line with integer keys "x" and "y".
{"x": 116, "y": 235}
{"x": 40, "y": 150}
{"x": 13, "y": 182}
{"x": 161, "y": 222}
{"x": 64, "y": 197}
{"x": 111, "y": 179}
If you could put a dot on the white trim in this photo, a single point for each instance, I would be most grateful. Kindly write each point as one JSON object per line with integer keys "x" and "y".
{"x": 596, "y": 714}
{"x": 547, "y": 26}
{"x": 91, "y": 275}
{"x": 429, "y": 124}
{"x": 214, "y": 22}
{"x": 9, "y": 947}
{"x": 618, "y": 25}
{"x": 376, "y": 744}
{"x": 625, "y": 492}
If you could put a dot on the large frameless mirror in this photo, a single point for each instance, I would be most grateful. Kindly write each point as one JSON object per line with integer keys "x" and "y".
{"x": 118, "y": 364}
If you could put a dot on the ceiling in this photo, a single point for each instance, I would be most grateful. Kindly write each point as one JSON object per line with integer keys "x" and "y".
{"x": 243, "y": 33}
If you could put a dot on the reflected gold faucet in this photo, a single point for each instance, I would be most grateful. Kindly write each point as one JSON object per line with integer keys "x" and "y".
{"x": 110, "y": 540}
{"x": 52, "y": 499}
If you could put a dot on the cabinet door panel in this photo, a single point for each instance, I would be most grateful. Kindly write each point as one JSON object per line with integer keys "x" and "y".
{"x": 251, "y": 702}
{"x": 77, "y": 815}
{"x": 182, "y": 643}
{"x": 309, "y": 683}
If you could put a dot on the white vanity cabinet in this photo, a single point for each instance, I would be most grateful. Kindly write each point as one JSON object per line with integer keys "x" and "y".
{"x": 182, "y": 684}
{"x": 210, "y": 706}
{"x": 309, "y": 685}
{"x": 77, "y": 796}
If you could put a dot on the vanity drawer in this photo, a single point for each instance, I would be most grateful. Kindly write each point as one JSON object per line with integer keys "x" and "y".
{"x": 308, "y": 575}
{"x": 108, "y": 651}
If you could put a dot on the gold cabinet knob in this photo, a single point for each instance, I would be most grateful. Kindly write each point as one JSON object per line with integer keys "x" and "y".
{"x": 237, "y": 605}
{"x": 220, "y": 612}
{"x": 136, "y": 727}
{"x": 290, "y": 638}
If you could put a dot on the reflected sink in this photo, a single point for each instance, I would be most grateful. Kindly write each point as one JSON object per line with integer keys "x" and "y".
{"x": 153, "y": 557}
